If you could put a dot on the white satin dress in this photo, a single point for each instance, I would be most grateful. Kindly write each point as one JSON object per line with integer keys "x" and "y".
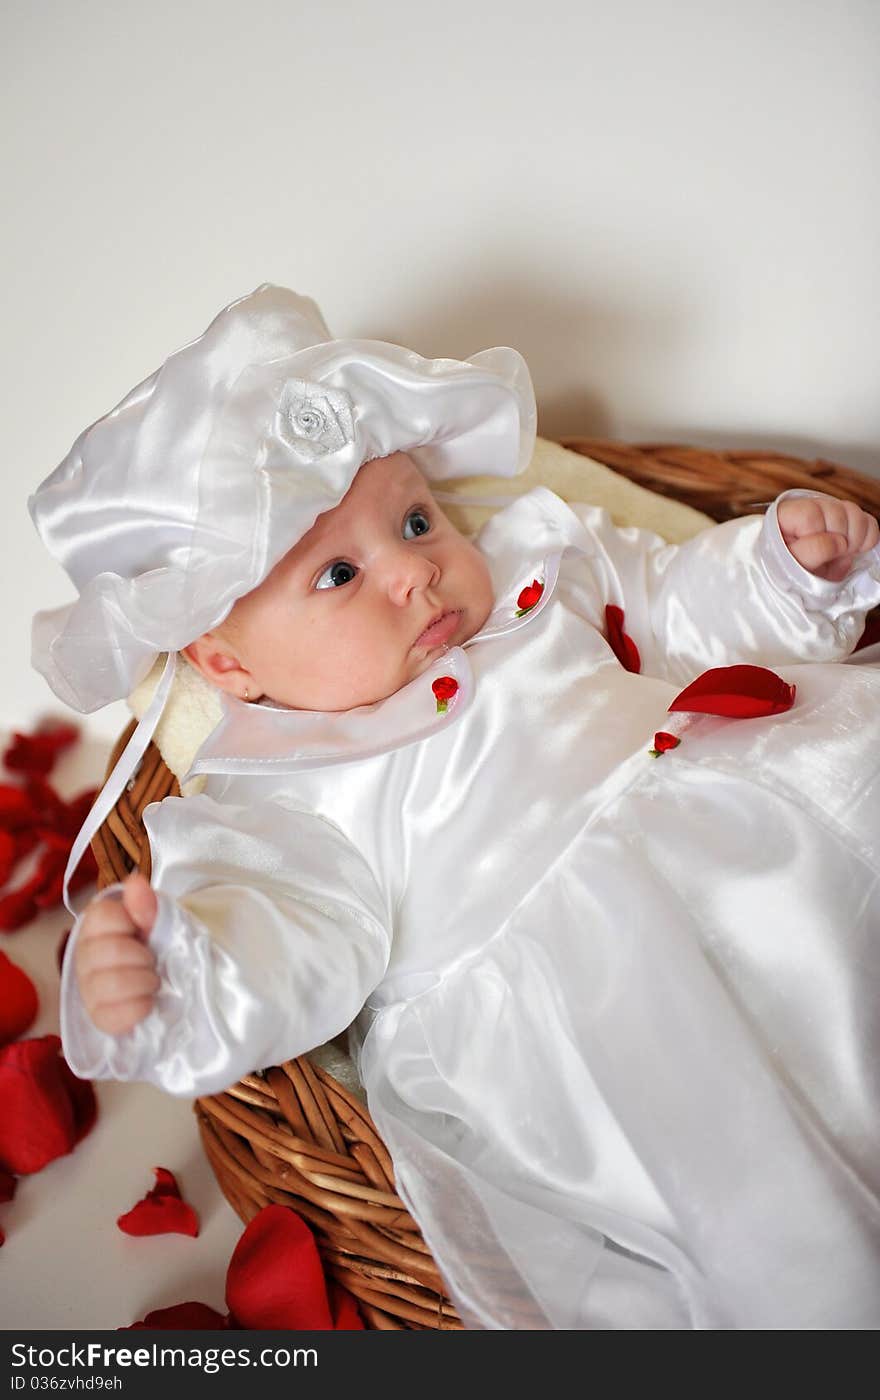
{"x": 617, "y": 1015}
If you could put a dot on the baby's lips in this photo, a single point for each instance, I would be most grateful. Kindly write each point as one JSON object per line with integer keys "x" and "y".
{"x": 439, "y": 631}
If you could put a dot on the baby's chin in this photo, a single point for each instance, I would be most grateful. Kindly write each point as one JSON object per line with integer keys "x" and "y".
{"x": 415, "y": 664}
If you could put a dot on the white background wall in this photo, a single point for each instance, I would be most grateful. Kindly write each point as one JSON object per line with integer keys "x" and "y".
{"x": 671, "y": 209}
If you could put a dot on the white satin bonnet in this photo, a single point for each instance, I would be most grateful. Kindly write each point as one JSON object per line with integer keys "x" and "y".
{"x": 184, "y": 496}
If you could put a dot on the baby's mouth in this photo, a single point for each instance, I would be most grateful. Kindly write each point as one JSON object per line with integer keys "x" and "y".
{"x": 439, "y": 631}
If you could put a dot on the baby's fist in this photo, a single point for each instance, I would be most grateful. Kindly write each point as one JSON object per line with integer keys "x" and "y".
{"x": 115, "y": 970}
{"x": 825, "y": 534}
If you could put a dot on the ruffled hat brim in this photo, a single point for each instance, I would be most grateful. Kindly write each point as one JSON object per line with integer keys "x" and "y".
{"x": 186, "y": 495}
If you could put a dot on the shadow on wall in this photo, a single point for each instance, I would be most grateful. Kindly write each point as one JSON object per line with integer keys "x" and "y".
{"x": 568, "y": 343}
{"x": 573, "y": 344}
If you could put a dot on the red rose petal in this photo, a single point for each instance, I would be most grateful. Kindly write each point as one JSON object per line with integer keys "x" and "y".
{"x": 738, "y": 692}
{"x": 36, "y": 1114}
{"x": 27, "y": 754}
{"x": 165, "y": 1216}
{"x": 18, "y": 908}
{"x": 195, "y": 1317}
{"x": 18, "y": 1001}
{"x": 83, "y": 1104}
{"x": 623, "y": 646}
{"x": 162, "y": 1211}
{"x": 8, "y": 1184}
{"x": 47, "y": 805}
{"x": 85, "y": 873}
{"x": 50, "y": 870}
{"x": 17, "y": 809}
{"x": 25, "y": 842}
{"x": 275, "y": 1279}
{"x": 9, "y": 854}
{"x": 343, "y": 1306}
{"x": 54, "y": 840}
{"x": 36, "y": 753}
{"x": 14, "y": 845}
{"x": 76, "y": 811}
{"x": 165, "y": 1183}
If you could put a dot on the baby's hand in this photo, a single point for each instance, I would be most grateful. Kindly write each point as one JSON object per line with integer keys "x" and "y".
{"x": 825, "y": 535}
{"x": 115, "y": 970}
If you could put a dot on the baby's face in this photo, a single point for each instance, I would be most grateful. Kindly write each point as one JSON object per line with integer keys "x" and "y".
{"x": 363, "y": 604}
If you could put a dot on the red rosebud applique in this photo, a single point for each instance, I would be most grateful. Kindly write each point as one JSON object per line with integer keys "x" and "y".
{"x": 738, "y": 692}
{"x": 663, "y": 742}
{"x": 275, "y": 1282}
{"x": 444, "y": 687}
{"x": 18, "y": 1001}
{"x": 623, "y": 646}
{"x": 44, "y": 1109}
{"x": 162, "y": 1211}
{"x": 529, "y": 597}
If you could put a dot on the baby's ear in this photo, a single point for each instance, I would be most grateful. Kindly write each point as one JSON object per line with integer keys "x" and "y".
{"x": 214, "y": 658}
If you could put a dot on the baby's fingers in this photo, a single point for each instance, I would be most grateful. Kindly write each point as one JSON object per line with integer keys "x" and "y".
{"x": 866, "y": 535}
{"x": 140, "y": 903}
{"x": 122, "y": 1016}
{"x": 109, "y": 996}
{"x": 113, "y": 950}
{"x": 106, "y": 917}
{"x": 817, "y": 553}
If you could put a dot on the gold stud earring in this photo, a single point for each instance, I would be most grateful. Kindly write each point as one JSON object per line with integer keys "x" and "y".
{"x": 246, "y": 696}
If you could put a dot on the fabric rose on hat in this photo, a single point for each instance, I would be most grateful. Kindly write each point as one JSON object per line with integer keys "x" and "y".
{"x": 314, "y": 420}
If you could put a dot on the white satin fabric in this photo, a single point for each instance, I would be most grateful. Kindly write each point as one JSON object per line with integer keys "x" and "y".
{"x": 620, "y": 1021}
{"x": 184, "y": 496}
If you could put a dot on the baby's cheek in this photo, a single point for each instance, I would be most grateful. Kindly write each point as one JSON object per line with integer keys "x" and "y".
{"x": 482, "y": 599}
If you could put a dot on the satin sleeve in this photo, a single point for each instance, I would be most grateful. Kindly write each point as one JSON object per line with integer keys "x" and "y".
{"x": 734, "y": 593}
{"x": 271, "y": 933}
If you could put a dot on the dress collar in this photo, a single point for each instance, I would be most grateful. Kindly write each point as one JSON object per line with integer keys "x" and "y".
{"x": 266, "y": 737}
{"x": 260, "y": 738}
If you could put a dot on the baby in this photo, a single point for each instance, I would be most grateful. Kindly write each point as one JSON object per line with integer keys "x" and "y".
{"x": 359, "y": 607}
{"x": 616, "y": 1017}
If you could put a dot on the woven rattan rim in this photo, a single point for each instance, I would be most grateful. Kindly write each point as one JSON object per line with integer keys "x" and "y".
{"x": 727, "y": 484}
{"x": 293, "y": 1135}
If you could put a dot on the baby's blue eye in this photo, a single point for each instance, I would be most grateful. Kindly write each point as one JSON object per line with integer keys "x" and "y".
{"x": 335, "y": 575}
{"x": 420, "y": 524}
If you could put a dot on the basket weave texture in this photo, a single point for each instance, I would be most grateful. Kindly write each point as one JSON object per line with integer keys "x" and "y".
{"x": 292, "y": 1134}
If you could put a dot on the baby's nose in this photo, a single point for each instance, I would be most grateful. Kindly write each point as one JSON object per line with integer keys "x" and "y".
{"x": 408, "y": 570}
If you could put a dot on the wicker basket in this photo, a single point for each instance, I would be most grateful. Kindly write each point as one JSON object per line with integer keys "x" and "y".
{"x": 295, "y": 1136}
